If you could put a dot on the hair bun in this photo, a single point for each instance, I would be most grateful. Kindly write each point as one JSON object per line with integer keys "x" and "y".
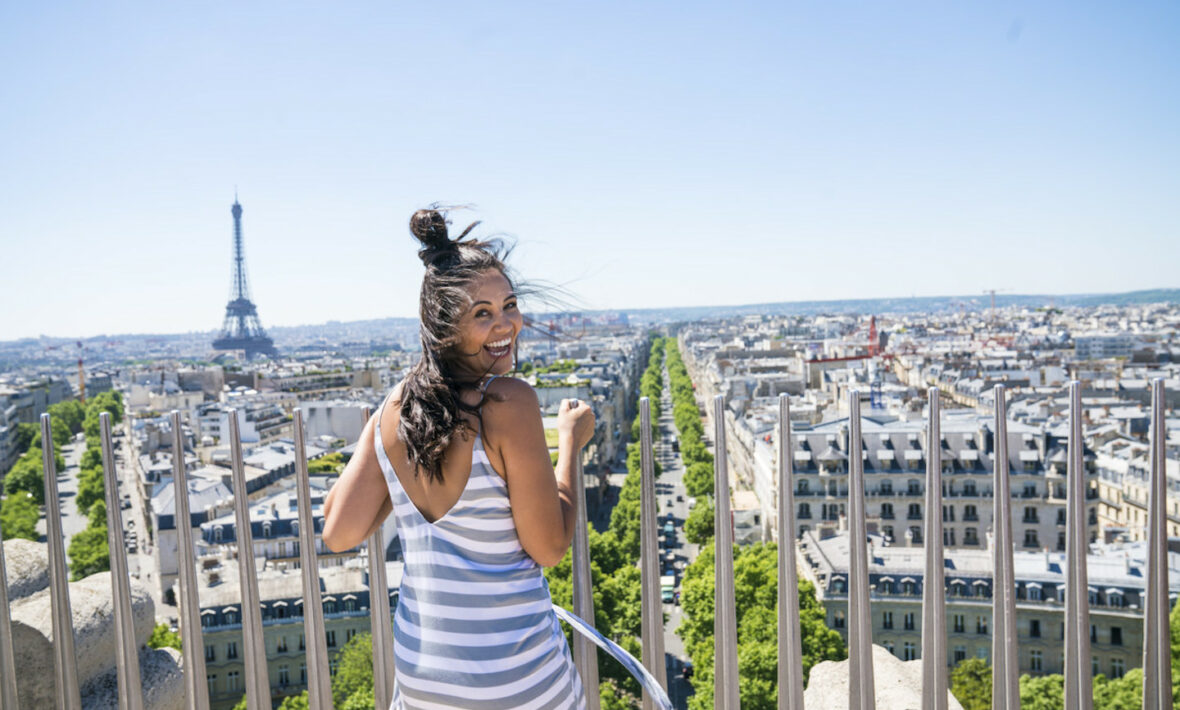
{"x": 430, "y": 227}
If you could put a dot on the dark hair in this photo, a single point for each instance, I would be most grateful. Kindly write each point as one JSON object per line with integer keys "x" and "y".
{"x": 431, "y": 408}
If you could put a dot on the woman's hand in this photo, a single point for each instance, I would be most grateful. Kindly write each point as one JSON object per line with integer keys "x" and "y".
{"x": 575, "y": 419}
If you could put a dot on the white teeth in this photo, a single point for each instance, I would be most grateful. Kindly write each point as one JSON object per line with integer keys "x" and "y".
{"x": 500, "y": 343}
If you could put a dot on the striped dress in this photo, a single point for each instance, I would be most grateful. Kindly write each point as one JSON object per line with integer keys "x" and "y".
{"x": 474, "y": 626}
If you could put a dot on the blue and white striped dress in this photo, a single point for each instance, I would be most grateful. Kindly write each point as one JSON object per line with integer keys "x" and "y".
{"x": 474, "y": 626}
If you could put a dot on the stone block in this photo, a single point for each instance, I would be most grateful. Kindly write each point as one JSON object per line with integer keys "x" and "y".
{"x": 94, "y": 635}
{"x": 26, "y": 568}
{"x": 898, "y": 684}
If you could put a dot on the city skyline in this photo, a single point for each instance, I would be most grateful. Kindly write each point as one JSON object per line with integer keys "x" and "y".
{"x": 653, "y": 158}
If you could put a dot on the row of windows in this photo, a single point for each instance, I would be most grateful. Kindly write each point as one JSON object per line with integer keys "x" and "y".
{"x": 278, "y": 611}
{"x": 231, "y": 647}
{"x": 959, "y": 626}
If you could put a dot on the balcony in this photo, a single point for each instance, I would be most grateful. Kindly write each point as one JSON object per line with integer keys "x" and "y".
{"x": 251, "y": 623}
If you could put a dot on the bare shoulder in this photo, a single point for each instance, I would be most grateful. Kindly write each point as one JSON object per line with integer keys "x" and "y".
{"x": 510, "y": 403}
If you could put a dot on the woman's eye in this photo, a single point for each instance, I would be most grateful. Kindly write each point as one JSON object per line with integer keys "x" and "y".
{"x": 482, "y": 313}
{"x": 510, "y": 306}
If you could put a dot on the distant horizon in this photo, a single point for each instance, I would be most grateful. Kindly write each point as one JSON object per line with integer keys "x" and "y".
{"x": 982, "y": 303}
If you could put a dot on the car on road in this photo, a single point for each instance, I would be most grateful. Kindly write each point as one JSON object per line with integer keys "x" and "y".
{"x": 669, "y": 529}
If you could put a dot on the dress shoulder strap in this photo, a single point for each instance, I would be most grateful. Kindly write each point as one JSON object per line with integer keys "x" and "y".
{"x": 484, "y": 387}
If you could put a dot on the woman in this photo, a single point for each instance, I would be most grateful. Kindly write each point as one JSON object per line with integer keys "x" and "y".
{"x": 458, "y": 453}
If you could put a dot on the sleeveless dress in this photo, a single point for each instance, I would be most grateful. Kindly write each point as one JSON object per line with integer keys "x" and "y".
{"x": 475, "y": 625}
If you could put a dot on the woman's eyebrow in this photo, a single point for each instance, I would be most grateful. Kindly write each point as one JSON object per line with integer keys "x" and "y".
{"x": 509, "y": 297}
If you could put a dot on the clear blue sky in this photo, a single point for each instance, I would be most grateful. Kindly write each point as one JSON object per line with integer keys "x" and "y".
{"x": 645, "y": 154}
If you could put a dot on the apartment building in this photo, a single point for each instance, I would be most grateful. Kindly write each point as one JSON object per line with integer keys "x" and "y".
{"x": 896, "y": 576}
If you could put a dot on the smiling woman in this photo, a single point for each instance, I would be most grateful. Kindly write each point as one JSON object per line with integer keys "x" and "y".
{"x": 458, "y": 454}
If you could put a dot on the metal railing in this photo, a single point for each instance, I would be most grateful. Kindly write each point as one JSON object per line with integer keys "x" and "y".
{"x": 1156, "y": 653}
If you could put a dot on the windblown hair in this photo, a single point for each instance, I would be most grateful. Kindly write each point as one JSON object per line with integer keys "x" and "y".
{"x": 431, "y": 408}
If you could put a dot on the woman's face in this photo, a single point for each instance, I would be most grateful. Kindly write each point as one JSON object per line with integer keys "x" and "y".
{"x": 488, "y": 330}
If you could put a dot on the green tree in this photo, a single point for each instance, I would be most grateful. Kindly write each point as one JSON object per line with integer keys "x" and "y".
{"x": 89, "y": 553}
{"x": 354, "y": 668}
{"x": 1124, "y": 693}
{"x": 97, "y": 517}
{"x": 698, "y": 528}
{"x": 1042, "y": 692}
{"x": 164, "y": 637}
{"x": 26, "y": 476}
{"x": 1174, "y": 623}
{"x": 295, "y": 702}
{"x": 360, "y": 700}
{"x": 18, "y": 517}
{"x": 971, "y": 684}
{"x": 698, "y": 479}
{"x": 70, "y": 412}
{"x": 331, "y": 463}
{"x": 91, "y": 489}
{"x": 24, "y": 435}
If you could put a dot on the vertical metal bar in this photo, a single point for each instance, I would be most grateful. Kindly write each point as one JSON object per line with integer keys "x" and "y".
{"x": 65, "y": 661}
{"x": 934, "y": 670}
{"x": 790, "y": 643}
{"x": 196, "y": 690}
{"x": 127, "y": 651}
{"x": 861, "y": 684}
{"x": 725, "y": 665}
{"x": 257, "y": 676}
{"x": 649, "y": 558}
{"x": 585, "y": 653}
{"x": 1078, "y": 673}
{"x": 380, "y": 618}
{"x": 7, "y": 656}
{"x": 1157, "y": 655}
{"x": 1005, "y": 686}
{"x": 319, "y": 685}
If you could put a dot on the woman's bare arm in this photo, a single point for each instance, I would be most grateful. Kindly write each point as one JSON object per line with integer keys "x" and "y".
{"x": 359, "y": 501}
{"x": 542, "y": 499}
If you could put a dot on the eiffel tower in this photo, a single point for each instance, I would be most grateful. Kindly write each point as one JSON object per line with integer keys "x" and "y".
{"x": 242, "y": 330}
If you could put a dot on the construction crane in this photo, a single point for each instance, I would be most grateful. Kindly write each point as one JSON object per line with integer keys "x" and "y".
{"x": 993, "y": 292}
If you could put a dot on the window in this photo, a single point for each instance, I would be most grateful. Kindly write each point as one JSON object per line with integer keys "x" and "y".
{"x": 1034, "y": 593}
{"x": 908, "y": 621}
{"x": 284, "y": 676}
{"x": 1061, "y": 516}
{"x": 804, "y": 487}
{"x": 981, "y": 652}
{"x": 1094, "y": 665}
{"x": 232, "y": 681}
{"x": 948, "y": 537}
{"x": 280, "y": 612}
{"x": 348, "y": 634}
{"x": 959, "y": 621}
{"x": 981, "y": 625}
{"x": 909, "y": 652}
{"x": 231, "y": 617}
{"x": 211, "y": 680}
{"x": 969, "y": 489}
{"x": 913, "y": 487}
{"x": 970, "y": 536}
{"x": 1036, "y": 661}
{"x": 1093, "y": 633}
{"x": 1117, "y": 668}
{"x": 970, "y": 513}
{"x": 887, "y": 620}
{"x": 1034, "y": 628}
{"x": 329, "y": 607}
{"x": 231, "y": 649}
{"x": 210, "y": 654}
{"x": 302, "y": 674}
{"x": 1030, "y": 538}
{"x": 302, "y": 643}
{"x": 960, "y": 654}
{"x": 281, "y": 646}
{"x": 886, "y": 488}
{"x": 838, "y": 620}
{"x": 332, "y": 639}
{"x": 217, "y": 533}
{"x": 890, "y": 647}
{"x": 332, "y": 666}
{"x": 805, "y": 510}
{"x": 916, "y": 533}
{"x": 887, "y": 531}
{"x": 948, "y": 513}
{"x": 914, "y": 511}
{"x": 1116, "y": 636}
{"x": 1060, "y": 541}
{"x": 887, "y": 511}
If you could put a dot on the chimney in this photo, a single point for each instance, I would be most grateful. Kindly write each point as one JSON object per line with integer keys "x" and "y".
{"x": 842, "y": 439}
{"x": 991, "y": 541}
{"x": 1048, "y": 560}
{"x": 981, "y": 439}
